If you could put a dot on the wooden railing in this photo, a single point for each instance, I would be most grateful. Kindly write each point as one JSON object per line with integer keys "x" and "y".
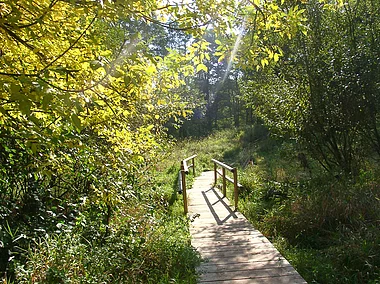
{"x": 233, "y": 180}
{"x": 182, "y": 178}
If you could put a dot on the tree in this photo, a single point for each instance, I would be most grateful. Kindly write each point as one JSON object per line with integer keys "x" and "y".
{"x": 320, "y": 92}
{"x": 83, "y": 100}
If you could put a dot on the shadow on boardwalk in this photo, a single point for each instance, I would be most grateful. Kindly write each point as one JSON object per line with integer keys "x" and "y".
{"x": 220, "y": 200}
{"x": 233, "y": 251}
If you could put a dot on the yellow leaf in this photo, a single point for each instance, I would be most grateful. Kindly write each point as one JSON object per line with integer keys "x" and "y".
{"x": 150, "y": 107}
{"x": 276, "y": 57}
{"x": 264, "y": 62}
{"x": 201, "y": 66}
{"x": 220, "y": 59}
{"x": 151, "y": 70}
{"x": 161, "y": 102}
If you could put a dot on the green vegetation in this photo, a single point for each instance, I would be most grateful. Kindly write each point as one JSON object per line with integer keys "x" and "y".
{"x": 93, "y": 92}
{"x": 326, "y": 226}
{"x": 87, "y": 92}
{"x": 145, "y": 241}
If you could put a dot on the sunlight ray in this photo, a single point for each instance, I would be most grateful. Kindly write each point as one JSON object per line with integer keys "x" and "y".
{"x": 234, "y": 50}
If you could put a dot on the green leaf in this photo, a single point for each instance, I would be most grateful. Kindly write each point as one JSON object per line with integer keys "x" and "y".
{"x": 95, "y": 64}
{"x": 34, "y": 147}
{"x": 127, "y": 80}
{"x": 46, "y": 100}
{"x": 35, "y": 120}
{"x": 117, "y": 74}
{"x": 15, "y": 88}
{"x": 25, "y": 107}
{"x": 76, "y": 121}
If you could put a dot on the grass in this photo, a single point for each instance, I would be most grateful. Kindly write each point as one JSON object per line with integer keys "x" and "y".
{"x": 328, "y": 228}
{"x": 148, "y": 242}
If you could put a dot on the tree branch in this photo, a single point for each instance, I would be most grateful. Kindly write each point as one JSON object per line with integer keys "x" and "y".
{"x": 36, "y": 20}
{"x": 23, "y": 42}
{"x": 71, "y": 46}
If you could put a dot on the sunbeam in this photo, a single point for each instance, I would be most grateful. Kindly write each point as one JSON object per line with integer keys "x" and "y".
{"x": 234, "y": 50}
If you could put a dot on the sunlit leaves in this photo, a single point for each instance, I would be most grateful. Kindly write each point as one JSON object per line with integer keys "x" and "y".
{"x": 80, "y": 86}
{"x": 83, "y": 72}
{"x": 323, "y": 92}
{"x": 258, "y": 26}
{"x": 201, "y": 67}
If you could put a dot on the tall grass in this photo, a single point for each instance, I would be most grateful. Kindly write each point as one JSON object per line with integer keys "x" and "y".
{"x": 327, "y": 227}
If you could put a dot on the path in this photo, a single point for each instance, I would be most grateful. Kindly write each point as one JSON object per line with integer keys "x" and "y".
{"x": 234, "y": 252}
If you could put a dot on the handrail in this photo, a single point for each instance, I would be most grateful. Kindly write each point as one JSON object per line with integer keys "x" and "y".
{"x": 227, "y": 167}
{"x": 182, "y": 178}
{"x": 233, "y": 180}
{"x": 186, "y": 167}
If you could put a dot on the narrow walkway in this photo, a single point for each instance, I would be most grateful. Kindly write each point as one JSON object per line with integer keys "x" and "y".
{"x": 233, "y": 251}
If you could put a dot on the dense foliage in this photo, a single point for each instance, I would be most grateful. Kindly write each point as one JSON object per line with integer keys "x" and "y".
{"x": 327, "y": 227}
{"x": 324, "y": 91}
{"x": 81, "y": 121}
{"x": 89, "y": 89}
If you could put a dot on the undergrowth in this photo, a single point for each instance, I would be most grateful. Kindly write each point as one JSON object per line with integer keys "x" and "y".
{"x": 326, "y": 226}
{"x": 147, "y": 241}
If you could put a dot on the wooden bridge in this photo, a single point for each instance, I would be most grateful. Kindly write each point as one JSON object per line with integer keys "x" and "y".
{"x": 232, "y": 250}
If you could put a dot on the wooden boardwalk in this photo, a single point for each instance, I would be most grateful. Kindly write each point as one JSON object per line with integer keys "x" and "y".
{"x": 233, "y": 251}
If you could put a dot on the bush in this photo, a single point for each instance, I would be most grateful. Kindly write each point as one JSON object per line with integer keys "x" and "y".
{"x": 253, "y": 134}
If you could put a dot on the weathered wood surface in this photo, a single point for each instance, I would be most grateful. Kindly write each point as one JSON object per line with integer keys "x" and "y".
{"x": 233, "y": 251}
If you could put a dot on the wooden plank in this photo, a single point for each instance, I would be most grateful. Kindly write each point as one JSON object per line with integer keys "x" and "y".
{"x": 264, "y": 280}
{"x": 241, "y": 247}
{"x": 215, "y": 267}
{"x": 249, "y": 274}
{"x": 232, "y": 250}
{"x": 236, "y": 256}
{"x": 230, "y": 243}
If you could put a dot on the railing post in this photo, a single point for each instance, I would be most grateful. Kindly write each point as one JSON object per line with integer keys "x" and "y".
{"x": 215, "y": 174}
{"x": 183, "y": 175}
{"x": 193, "y": 166}
{"x": 224, "y": 181}
{"x": 236, "y": 193}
